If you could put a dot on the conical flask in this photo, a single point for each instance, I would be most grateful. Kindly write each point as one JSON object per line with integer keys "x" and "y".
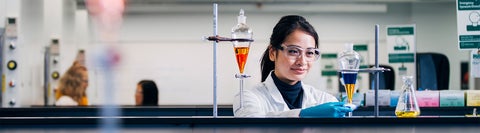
{"x": 407, "y": 105}
{"x": 349, "y": 60}
{"x": 241, "y": 31}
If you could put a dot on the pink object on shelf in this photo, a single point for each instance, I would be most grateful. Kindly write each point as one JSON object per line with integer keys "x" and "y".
{"x": 428, "y": 98}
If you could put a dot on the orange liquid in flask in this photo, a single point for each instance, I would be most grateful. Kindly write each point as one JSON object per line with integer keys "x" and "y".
{"x": 241, "y": 53}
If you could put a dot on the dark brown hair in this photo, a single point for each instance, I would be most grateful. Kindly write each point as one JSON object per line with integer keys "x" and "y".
{"x": 149, "y": 92}
{"x": 285, "y": 26}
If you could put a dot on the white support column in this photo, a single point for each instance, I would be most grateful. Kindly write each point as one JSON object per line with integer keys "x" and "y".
{"x": 53, "y": 13}
{"x": 31, "y": 43}
{"x": 54, "y": 25}
{"x": 12, "y": 81}
{"x": 2, "y": 26}
{"x": 3, "y": 4}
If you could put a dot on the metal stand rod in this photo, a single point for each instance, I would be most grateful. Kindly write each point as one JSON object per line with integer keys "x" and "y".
{"x": 46, "y": 67}
{"x": 375, "y": 70}
{"x": 377, "y": 76}
{"x": 215, "y": 17}
{"x": 241, "y": 77}
{"x": 241, "y": 92}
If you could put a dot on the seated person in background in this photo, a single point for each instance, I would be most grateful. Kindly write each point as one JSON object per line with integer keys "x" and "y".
{"x": 72, "y": 87}
{"x": 146, "y": 94}
{"x": 79, "y": 60}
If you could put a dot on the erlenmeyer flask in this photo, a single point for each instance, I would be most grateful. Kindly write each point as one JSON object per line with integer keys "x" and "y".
{"x": 407, "y": 105}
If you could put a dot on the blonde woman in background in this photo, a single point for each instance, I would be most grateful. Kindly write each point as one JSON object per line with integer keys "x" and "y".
{"x": 72, "y": 87}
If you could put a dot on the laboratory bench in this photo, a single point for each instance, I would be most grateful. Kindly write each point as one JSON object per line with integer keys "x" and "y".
{"x": 199, "y": 119}
{"x": 87, "y": 111}
{"x": 196, "y": 110}
{"x": 209, "y": 124}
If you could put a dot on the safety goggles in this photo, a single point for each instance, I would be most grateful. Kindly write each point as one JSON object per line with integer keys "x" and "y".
{"x": 294, "y": 52}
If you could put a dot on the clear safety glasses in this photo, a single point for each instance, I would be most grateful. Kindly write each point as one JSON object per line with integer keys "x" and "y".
{"x": 294, "y": 52}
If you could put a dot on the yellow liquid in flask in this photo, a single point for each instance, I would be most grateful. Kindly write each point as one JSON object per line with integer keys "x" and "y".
{"x": 407, "y": 114}
{"x": 349, "y": 79}
{"x": 350, "y": 89}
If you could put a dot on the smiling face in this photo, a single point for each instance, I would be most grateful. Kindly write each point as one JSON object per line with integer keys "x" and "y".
{"x": 291, "y": 70}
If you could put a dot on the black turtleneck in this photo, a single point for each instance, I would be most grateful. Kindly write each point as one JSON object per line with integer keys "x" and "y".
{"x": 292, "y": 94}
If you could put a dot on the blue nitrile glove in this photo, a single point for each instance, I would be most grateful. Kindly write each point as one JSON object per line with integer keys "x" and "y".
{"x": 331, "y": 109}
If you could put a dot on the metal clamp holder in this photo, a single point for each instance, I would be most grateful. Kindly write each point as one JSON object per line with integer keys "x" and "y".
{"x": 370, "y": 70}
{"x": 217, "y": 38}
{"x": 375, "y": 70}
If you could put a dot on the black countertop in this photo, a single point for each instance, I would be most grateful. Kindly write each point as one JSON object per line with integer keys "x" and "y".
{"x": 199, "y": 119}
{"x": 194, "y": 110}
{"x": 233, "y": 121}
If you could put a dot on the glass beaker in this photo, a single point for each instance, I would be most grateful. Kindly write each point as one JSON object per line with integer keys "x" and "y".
{"x": 407, "y": 106}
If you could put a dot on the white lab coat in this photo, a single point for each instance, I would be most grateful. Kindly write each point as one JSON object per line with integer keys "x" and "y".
{"x": 264, "y": 100}
{"x": 66, "y": 101}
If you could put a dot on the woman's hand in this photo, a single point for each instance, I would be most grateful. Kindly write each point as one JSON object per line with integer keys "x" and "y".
{"x": 331, "y": 109}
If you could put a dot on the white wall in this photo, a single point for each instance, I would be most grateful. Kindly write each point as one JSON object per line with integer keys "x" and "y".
{"x": 436, "y": 28}
{"x": 31, "y": 43}
{"x": 3, "y": 4}
{"x": 167, "y": 47}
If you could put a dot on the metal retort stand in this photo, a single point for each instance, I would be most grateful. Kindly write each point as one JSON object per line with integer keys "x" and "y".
{"x": 375, "y": 70}
{"x": 215, "y": 39}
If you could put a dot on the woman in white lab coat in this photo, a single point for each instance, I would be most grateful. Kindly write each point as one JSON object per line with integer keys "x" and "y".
{"x": 292, "y": 51}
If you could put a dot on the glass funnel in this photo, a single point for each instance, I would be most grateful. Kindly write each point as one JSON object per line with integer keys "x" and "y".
{"x": 349, "y": 63}
{"x": 241, "y": 48}
{"x": 240, "y": 32}
{"x": 407, "y": 105}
